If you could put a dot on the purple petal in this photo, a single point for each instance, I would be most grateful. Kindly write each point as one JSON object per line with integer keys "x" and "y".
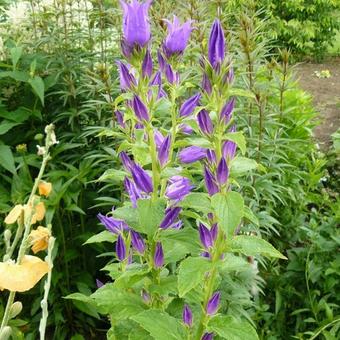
{"x": 213, "y": 303}
{"x": 210, "y": 182}
{"x": 170, "y": 217}
{"x": 147, "y": 65}
{"x": 205, "y": 236}
{"x": 140, "y": 109}
{"x": 137, "y": 242}
{"x": 216, "y": 46}
{"x": 222, "y": 172}
{"x": 164, "y": 149}
{"x": 141, "y": 178}
{"x": 187, "y": 315}
{"x": 159, "y": 255}
{"x": 192, "y": 154}
{"x": 189, "y": 105}
{"x": 120, "y": 248}
{"x": 204, "y": 122}
{"x": 179, "y": 187}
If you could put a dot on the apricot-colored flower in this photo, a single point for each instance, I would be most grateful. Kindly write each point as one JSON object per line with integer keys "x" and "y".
{"x": 14, "y": 214}
{"x": 45, "y": 188}
{"x": 39, "y": 212}
{"x": 39, "y": 239}
{"x": 22, "y": 277}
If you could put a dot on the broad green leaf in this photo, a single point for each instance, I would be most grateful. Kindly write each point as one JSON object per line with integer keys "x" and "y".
{"x": 39, "y": 87}
{"x": 232, "y": 263}
{"x": 104, "y": 236}
{"x": 112, "y": 175}
{"x": 191, "y": 272}
{"x": 7, "y": 159}
{"x": 151, "y": 214}
{"x": 241, "y": 93}
{"x": 5, "y": 126}
{"x": 229, "y": 328}
{"x": 19, "y": 115}
{"x": 197, "y": 201}
{"x": 241, "y": 165}
{"x": 238, "y": 138}
{"x": 166, "y": 286}
{"x": 252, "y": 245}
{"x": 160, "y": 325}
{"x": 133, "y": 274}
{"x": 16, "y": 75}
{"x": 249, "y": 215}
{"x": 16, "y": 53}
{"x": 229, "y": 209}
{"x": 129, "y": 215}
{"x": 79, "y": 297}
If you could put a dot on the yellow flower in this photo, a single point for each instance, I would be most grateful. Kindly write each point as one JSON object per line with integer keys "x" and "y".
{"x": 39, "y": 212}
{"x": 14, "y": 214}
{"x": 45, "y": 188}
{"x": 39, "y": 239}
{"x": 22, "y": 277}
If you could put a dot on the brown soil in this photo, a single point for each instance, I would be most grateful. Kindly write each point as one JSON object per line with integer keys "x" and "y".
{"x": 326, "y": 96}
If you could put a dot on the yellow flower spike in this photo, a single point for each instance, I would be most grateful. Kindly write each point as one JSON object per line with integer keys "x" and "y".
{"x": 22, "y": 277}
{"x": 39, "y": 212}
{"x": 39, "y": 239}
{"x": 14, "y": 214}
{"x": 45, "y": 188}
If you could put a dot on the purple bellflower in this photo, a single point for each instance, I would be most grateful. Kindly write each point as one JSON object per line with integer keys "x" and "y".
{"x": 142, "y": 179}
{"x": 147, "y": 65}
{"x": 222, "y": 172}
{"x": 186, "y": 129}
{"x": 204, "y": 122}
{"x": 227, "y": 111}
{"x": 159, "y": 138}
{"x": 213, "y": 303}
{"x": 161, "y": 61}
{"x": 120, "y": 248}
{"x": 113, "y": 225}
{"x": 211, "y": 156}
{"x": 179, "y": 187}
{"x": 158, "y": 258}
{"x": 140, "y": 109}
{"x": 127, "y": 162}
{"x": 187, "y": 315}
{"x": 137, "y": 242}
{"x": 206, "y": 84}
{"x": 132, "y": 190}
{"x": 127, "y": 80}
{"x": 205, "y": 236}
{"x": 171, "y": 75}
{"x": 170, "y": 217}
{"x": 164, "y": 149}
{"x": 136, "y": 26}
{"x": 157, "y": 79}
{"x": 120, "y": 119}
{"x": 210, "y": 182}
{"x": 192, "y": 154}
{"x": 189, "y": 105}
{"x": 229, "y": 149}
{"x": 216, "y": 46}
{"x": 177, "y": 38}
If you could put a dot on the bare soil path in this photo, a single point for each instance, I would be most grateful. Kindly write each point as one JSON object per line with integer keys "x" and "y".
{"x": 326, "y": 96}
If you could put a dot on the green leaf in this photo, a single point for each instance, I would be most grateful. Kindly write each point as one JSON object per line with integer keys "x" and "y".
{"x": 197, "y": 201}
{"x": 229, "y": 209}
{"x": 252, "y": 245}
{"x": 128, "y": 214}
{"x": 241, "y": 93}
{"x": 79, "y": 297}
{"x": 241, "y": 165}
{"x": 39, "y": 87}
{"x": 16, "y": 53}
{"x": 5, "y": 126}
{"x": 191, "y": 272}
{"x": 229, "y": 328}
{"x": 249, "y": 215}
{"x": 232, "y": 263}
{"x": 104, "y": 236}
{"x": 151, "y": 214}
{"x": 133, "y": 274}
{"x": 7, "y": 159}
{"x": 238, "y": 138}
{"x": 16, "y": 75}
{"x": 160, "y": 325}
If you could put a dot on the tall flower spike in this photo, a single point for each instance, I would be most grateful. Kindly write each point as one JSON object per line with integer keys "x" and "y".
{"x": 210, "y": 182}
{"x": 137, "y": 242}
{"x": 127, "y": 80}
{"x": 192, "y": 154}
{"x": 159, "y": 255}
{"x": 179, "y": 187}
{"x": 177, "y": 38}
{"x": 187, "y": 315}
{"x": 222, "y": 172}
{"x": 204, "y": 122}
{"x": 141, "y": 178}
{"x": 163, "y": 152}
{"x": 189, "y": 105}
{"x": 147, "y": 65}
{"x": 213, "y": 303}
{"x": 205, "y": 236}
{"x": 120, "y": 248}
{"x": 140, "y": 109}
{"x": 216, "y": 46}
{"x": 136, "y": 26}
{"x": 170, "y": 217}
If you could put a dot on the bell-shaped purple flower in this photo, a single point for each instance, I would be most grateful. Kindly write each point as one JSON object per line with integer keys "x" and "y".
{"x": 137, "y": 242}
{"x": 206, "y": 84}
{"x": 163, "y": 152}
{"x": 157, "y": 79}
{"x": 214, "y": 232}
{"x": 113, "y": 225}
{"x": 140, "y": 109}
{"x": 211, "y": 156}
{"x": 158, "y": 258}
{"x": 132, "y": 190}
{"x": 177, "y": 38}
{"x": 207, "y": 336}
{"x": 210, "y": 182}
{"x": 120, "y": 248}
{"x": 216, "y": 46}
{"x": 127, "y": 80}
{"x": 189, "y": 105}
{"x": 120, "y": 119}
{"x": 178, "y": 188}
{"x": 229, "y": 149}
{"x": 127, "y": 162}
{"x": 170, "y": 217}
{"x": 187, "y": 315}
{"x": 192, "y": 154}
{"x": 141, "y": 178}
{"x": 186, "y": 129}
{"x": 222, "y": 172}
{"x": 147, "y": 65}
{"x": 205, "y": 236}
{"x": 159, "y": 138}
{"x": 227, "y": 111}
{"x": 171, "y": 75}
{"x": 205, "y": 123}
{"x": 161, "y": 61}
{"x": 213, "y": 303}
{"x": 136, "y": 26}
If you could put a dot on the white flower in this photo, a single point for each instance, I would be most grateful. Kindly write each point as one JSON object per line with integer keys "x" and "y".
{"x": 18, "y": 13}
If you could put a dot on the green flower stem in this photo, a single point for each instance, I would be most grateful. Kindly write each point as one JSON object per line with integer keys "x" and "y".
{"x": 173, "y": 122}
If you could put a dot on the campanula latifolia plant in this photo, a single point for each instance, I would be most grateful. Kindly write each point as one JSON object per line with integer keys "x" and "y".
{"x": 176, "y": 232}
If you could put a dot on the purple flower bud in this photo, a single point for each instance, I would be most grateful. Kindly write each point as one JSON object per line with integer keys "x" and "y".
{"x": 216, "y": 46}
{"x": 210, "y": 182}
{"x": 186, "y": 129}
{"x": 141, "y": 178}
{"x": 147, "y": 65}
{"x": 163, "y": 152}
{"x": 177, "y": 225}
{"x": 159, "y": 138}
{"x": 161, "y": 61}
{"x": 227, "y": 111}
{"x": 136, "y": 26}
{"x": 230, "y": 77}
{"x": 133, "y": 191}
{"x": 205, "y": 122}
{"x": 126, "y": 78}
{"x": 139, "y": 126}
{"x": 189, "y": 105}
{"x": 229, "y": 149}
{"x": 187, "y": 315}
{"x": 208, "y": 336}
{"x": 157, "y": 79}
{"x": 158, "y": 258}
{"x": 171, "y": 75}
{"x": 177, "y": 38}
{"x": 113, "y": 225}
{"x": 146, "y": 296}
{"x": 99, "y": 284}
{"x": 210, "y": 216}
{"x": 179, "y": 187}
{"x": 205, "y": 236}
{"x": 205, "y": 254}
{"x": 222, "y": 172}
{"x": 170, "y": 217}
{"x": 192, "y": 154}
{"x": 120, "y": 248}
{"x": 214, "y": 232}
{"x": 137, "y": 242}
{"x": 211, "y": 156}
{"x": 120, "y": 119}
{"x": 140, "y": 109}
{"x": 206, "y": 84}
{"x": 127, "y": 162}
{"x": 213, "y": 303}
